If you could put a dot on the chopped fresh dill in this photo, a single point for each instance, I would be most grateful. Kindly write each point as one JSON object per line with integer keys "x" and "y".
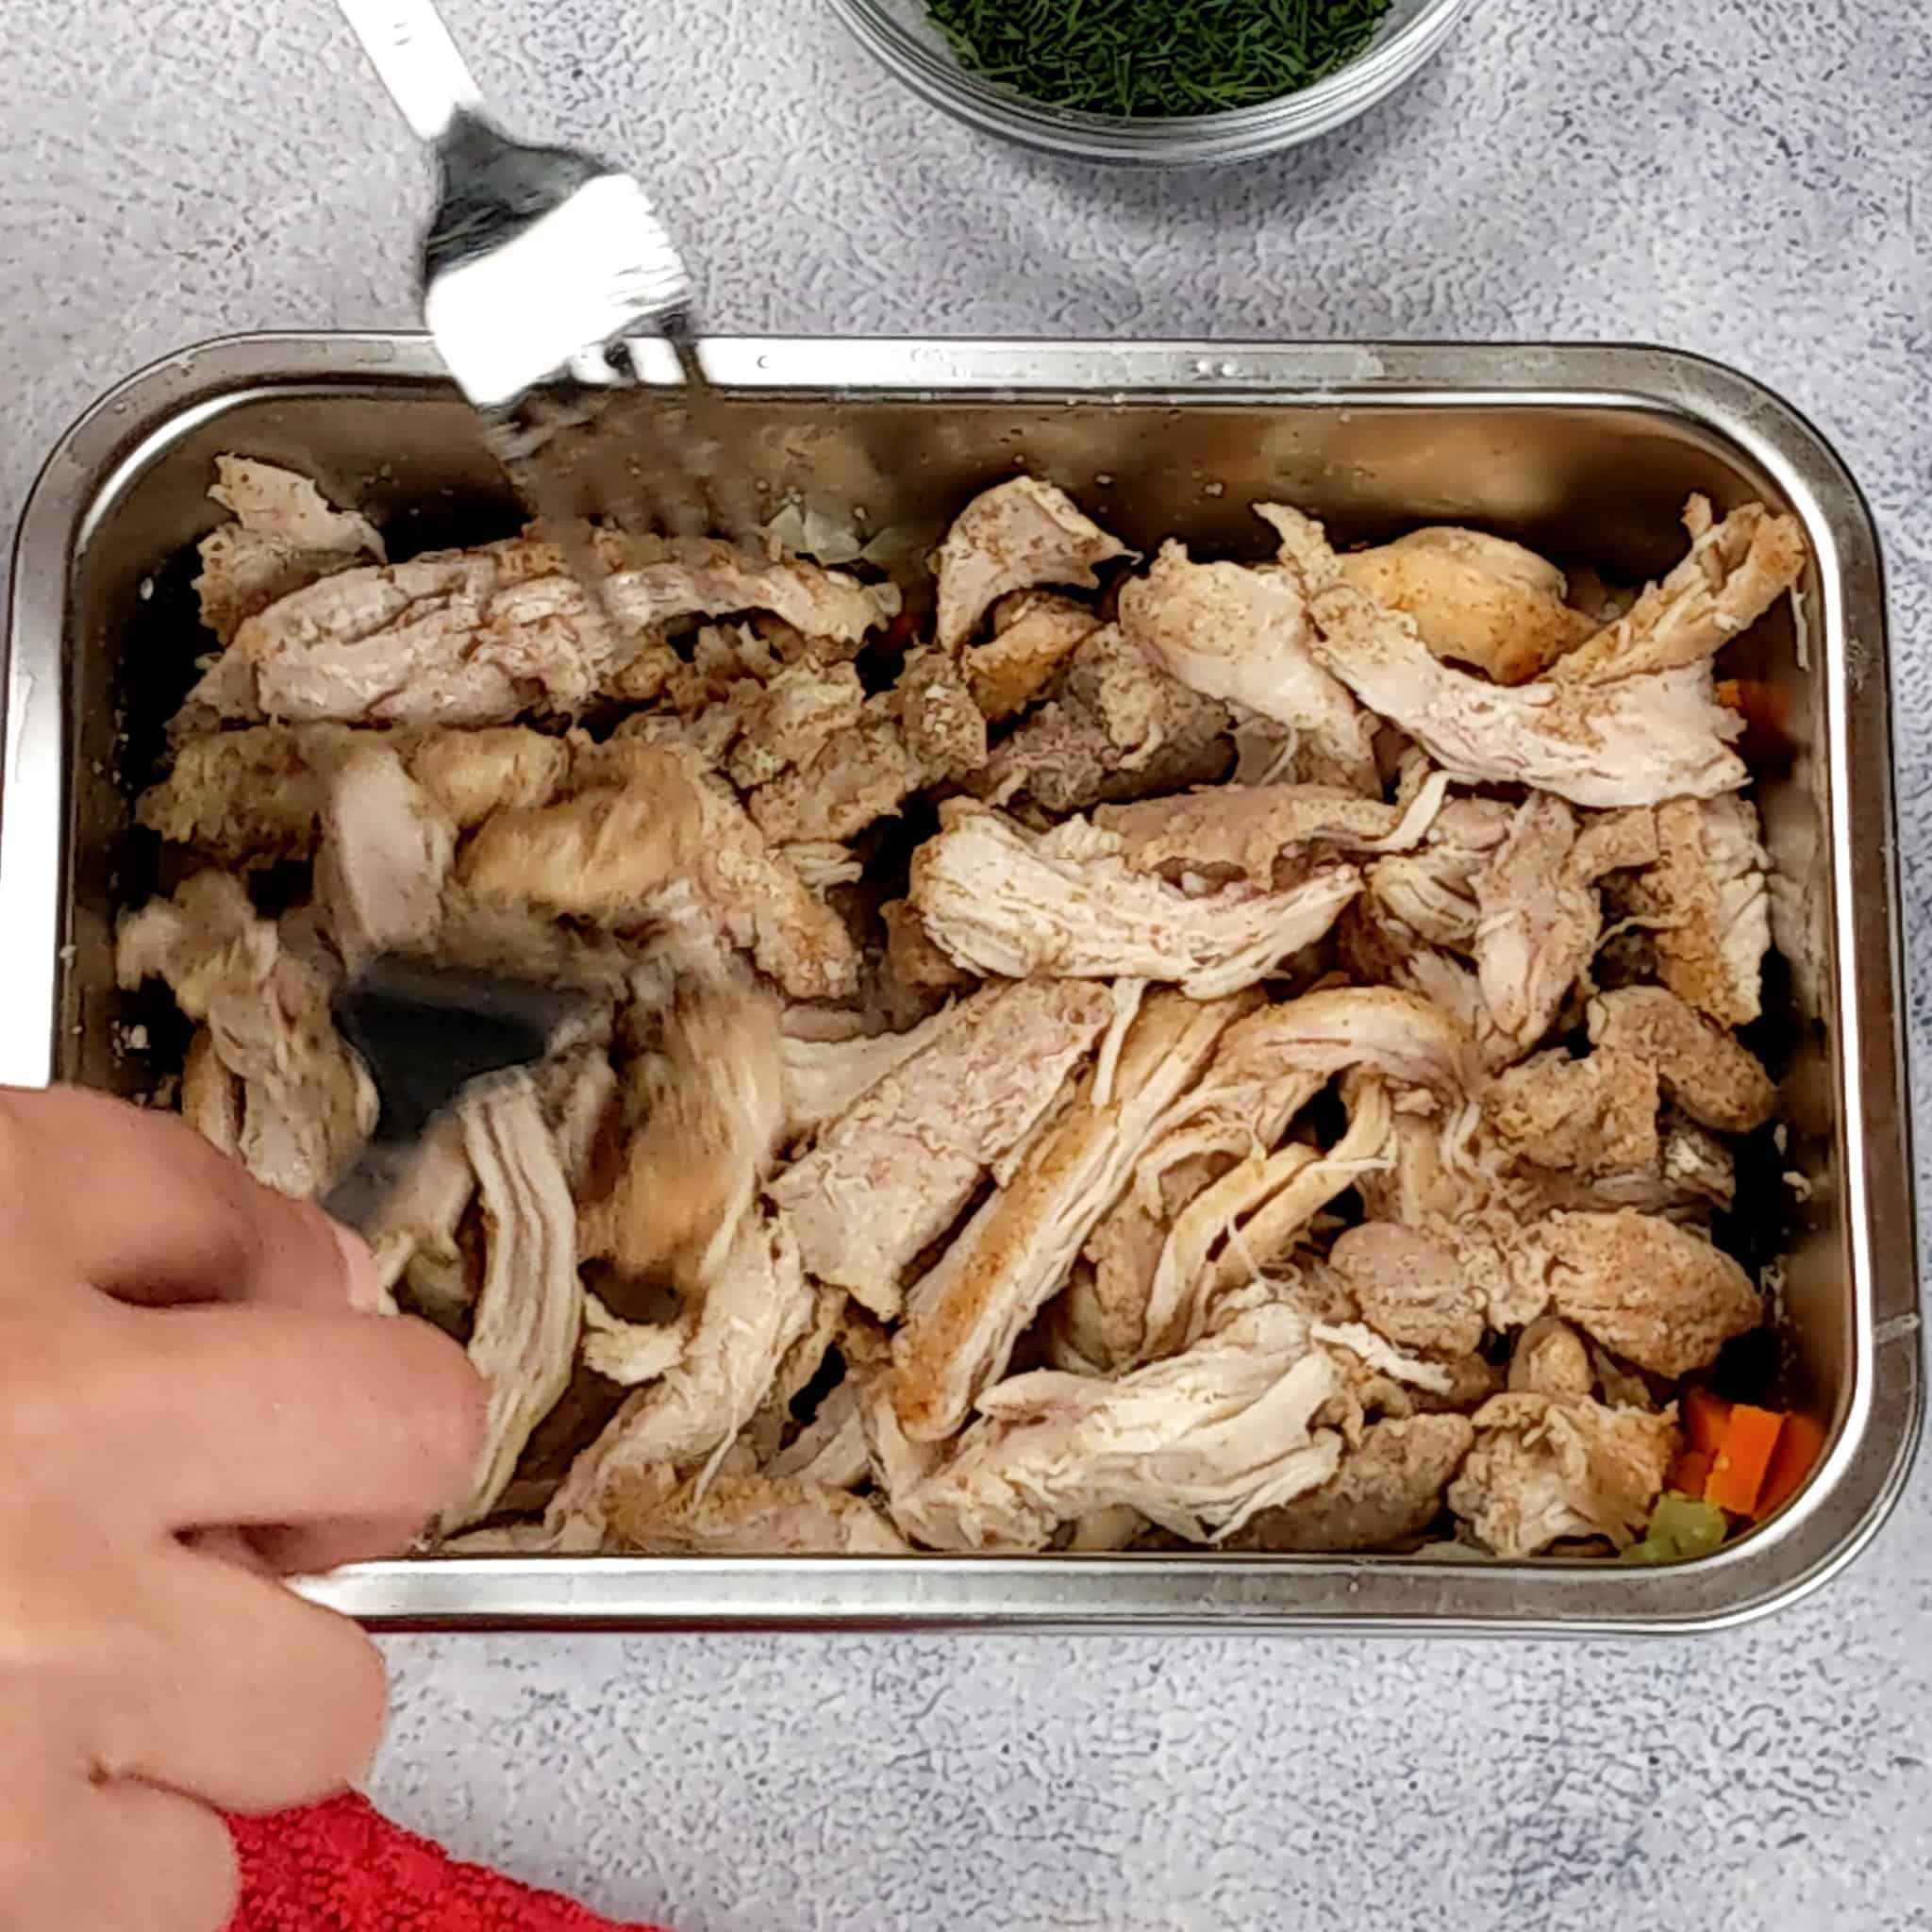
{"x": 1157, "y": 58}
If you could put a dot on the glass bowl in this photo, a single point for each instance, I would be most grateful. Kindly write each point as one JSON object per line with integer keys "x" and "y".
{"x": 902, "y": 35}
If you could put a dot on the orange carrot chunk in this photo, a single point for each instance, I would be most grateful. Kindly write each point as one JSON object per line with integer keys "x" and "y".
{"x": 1800, "y": 1443}
{"x": 1706, "y": 1419}
{"x": 1738, "y": 1471}
{"x": 1690, "y": 1473}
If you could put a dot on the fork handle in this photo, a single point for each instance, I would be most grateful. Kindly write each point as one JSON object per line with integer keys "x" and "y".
{"x": 411, "y": 51}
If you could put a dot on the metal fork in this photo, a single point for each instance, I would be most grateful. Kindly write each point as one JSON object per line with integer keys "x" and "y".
{"x": 551, "y": 289}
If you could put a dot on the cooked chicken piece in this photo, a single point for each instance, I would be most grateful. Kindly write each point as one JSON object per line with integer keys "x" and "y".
{"x": 653, "y": 1513}
{"x": 1475, "y": 599}
{"x": 1363, "y": 1351}
{"x": 1692, "y": 1173}
{"x": 1265, "y": 1070}
{"x": 472, "y": 774}
{"x": 606, "y": 854}
{"x": 831, "y": 1448}
{"x": 944, "y": 729}
{"x": 917, "y": 977}
{"x": 787, "y": 721}
{"x": 1594, "y": 1116}
{"x": 479, "y": 637}
{"x": 1116, "y": 726}
{"x": 1234, "y": 633}
{"x": 858, "y": 776}
{"x": 249, "y": 797}
{"x": 1709, "y": 1075}
{"x": 1539, "y": 921}
{"x": 1199, "y": 1444}
{"x": 1598, "y": 601}
{"x": 1411, "y": 1290}
{"x": 1732, "y": 575}
{"x": 1543, "y": 1470}
{"x": 711, "y": 1114}
{"x": 826, "y": 1078}
{"x": 998, "y": 901}
{"x": 1035, "y": 632}
{"x": 1015, "y": 536}
{"x": 1388, "y": 1489}
{"x": 1708, "y": 900}
{"x": 386, "y": 852}
{"x": 1635, "y": 742}
{"x": 896, "y": 1169}
{"x": 414, "y": 1231}
{"x": 631, "y": 1352}
{"x": 307, "y": 1105}
{"x": 1551, "y": 1359}
{"x": 1224, "y": 835}
{"x": 211, "y": 1096}
{"x": 530, "y": 1310}
{"x": 284, "y": 536}
{"x": 758, "y": 1307}
{"x": 1431, "y": 894}
{"x": 805, "y": 1361}
{"x": 965, "y": 1315}
{"x": 1252, "y": 1218}
{"x": 1658, "y": 1295}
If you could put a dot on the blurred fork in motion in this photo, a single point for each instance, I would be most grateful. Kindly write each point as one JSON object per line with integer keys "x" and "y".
{"x": 555, "y": 294}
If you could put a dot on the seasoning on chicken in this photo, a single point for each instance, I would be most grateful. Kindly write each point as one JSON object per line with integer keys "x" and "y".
{"x": 1708, "y": 906}
{"x": 1659, "y": 1295}
{"x": 1035, "y": 632}
{"x": 998, "y": 900}
{"x": 965, "y": 1315}
{"x": 1593, "y": 1116}
{"x": 1544, "y": 1469}
{"x": 606, "y": 854}
{"x": 893, "y": 1172}
{"x": 1734, "y": 572}
{"x": 530, "y": 1310}
{"x": 1410, "y": 1288}
{"x": 472, "y": 774}
{"x": 1115, "y": 726}
{"x": 653, "y": 1513}
{"x": 1550, "y": 1359}
{"x": 1013, "y": 537}
{"x": 308, "y": 1105}
{"x": 1475, "y": 599}
{"x": 1388, "y": 1489}
{"x": 1715, "y": 1081}
{"x": 1244, "y": 635}
{"x": 1198, "y": 1443}
{"x": 787, "y": 721}
{"x": 284, "y": 536}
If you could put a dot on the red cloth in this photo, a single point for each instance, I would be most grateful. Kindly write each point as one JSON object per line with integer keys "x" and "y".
{"x": 342, "y": 1867}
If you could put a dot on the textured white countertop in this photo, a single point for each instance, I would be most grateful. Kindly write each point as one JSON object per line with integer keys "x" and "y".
{"x": 1743, "y": 177}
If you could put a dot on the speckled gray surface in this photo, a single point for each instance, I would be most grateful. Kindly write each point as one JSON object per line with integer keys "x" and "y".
{"x": 1738, "y": 177}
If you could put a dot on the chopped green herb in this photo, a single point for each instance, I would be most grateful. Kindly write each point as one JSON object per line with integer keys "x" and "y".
{"x": 1157, "y": 58}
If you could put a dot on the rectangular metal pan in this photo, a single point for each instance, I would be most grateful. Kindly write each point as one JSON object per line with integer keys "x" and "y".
{"x": 1586, "y": 452}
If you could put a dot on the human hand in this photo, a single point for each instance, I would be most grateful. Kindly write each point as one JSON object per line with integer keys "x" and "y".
{"x": 192, "y": 1397}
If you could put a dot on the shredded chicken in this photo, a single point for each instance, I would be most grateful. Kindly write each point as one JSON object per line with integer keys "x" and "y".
{"x": 1015, "y": 536}
{"x": 1659, "y": 1295}
{"x": 894, "y": 1170}
{"x": 1000, "y": 901}
{"x": 1475, "y": 599}
{"x": 1177, "y": 975}
{"x": 284, "y": 536}
{"x": 1198, "y": 1443}
{"x": 1734, "y": 572}
{"x": 1713, "y": 1078}
{"x": 1546, "y": 1469}
{"x": 1245, "y": 635}
{"x": 964, "y": 1317}
{"x": 530, "y": 1311}
{"x": 1388, "y": 1489}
